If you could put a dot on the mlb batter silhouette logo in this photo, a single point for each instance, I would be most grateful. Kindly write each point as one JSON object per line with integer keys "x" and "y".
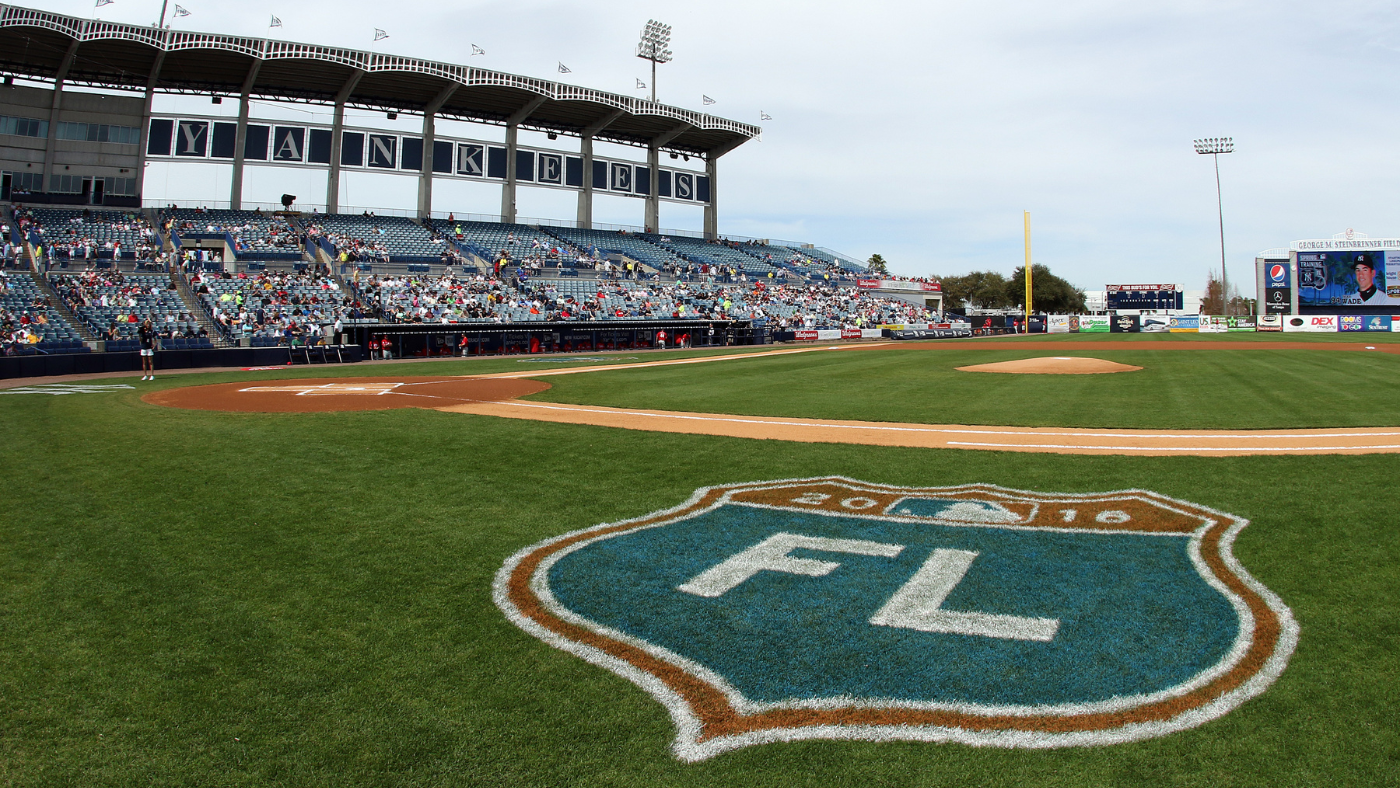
{"x": 832, "y": 608}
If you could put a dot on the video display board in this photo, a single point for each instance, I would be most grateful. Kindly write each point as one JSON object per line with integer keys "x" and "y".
{"x": 1349, "y": 278}
{"x": 1148, "y": 297}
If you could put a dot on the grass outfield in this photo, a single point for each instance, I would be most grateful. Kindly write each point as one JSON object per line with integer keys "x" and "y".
{"x": 193, "y": 598}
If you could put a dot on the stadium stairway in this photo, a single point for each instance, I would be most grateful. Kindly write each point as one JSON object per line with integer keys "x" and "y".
{"x": 200, "y": 313}
{"x": 61, "y": 307}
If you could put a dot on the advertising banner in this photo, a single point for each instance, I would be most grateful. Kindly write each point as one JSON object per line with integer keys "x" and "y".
{"x": 1323, "y": 324}
{"x": 1059, "y": 324}
{"x": 1278, "y": 289}
{"x": 1270, "y": 323}
{"x": 899, "y": 284}
{"x": 1218, "y": 324}
{"x": 1154, "y": 323}
{"x": 1125, "y": 324}
{"x": 1092, "y": 324}
{"x": 933, "y": 333}
{"x": 1364, "y": 323}
{"x": 1349, "y": 278}
{"x": 1184, "y": 324}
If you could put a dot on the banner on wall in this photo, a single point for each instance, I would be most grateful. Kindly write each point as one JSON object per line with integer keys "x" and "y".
{"x": 1349, "y": 323}
{"x": 899, "y": 284}
{"x": 1318, "y": 324}
{"x": 1270, "y": 323}
{"x": 305, "y": 145}
{"x": 1184, "y": 324}
{"x": 1220, "y": 324}
{"x": 1125, "y": 324}
{"x": 1092, "y": 324}
{"x": 1059, "y": 324}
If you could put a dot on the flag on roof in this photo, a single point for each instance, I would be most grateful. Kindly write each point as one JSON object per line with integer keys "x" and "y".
{"x": 563, "y": 69}
{"x": 101, "y": 3}
{"x": 706, "y": 99}
{"x": 275, "y": 22}
{"x": 641, "y": 85}
{"x": 764, "y": 115}
{"x": 476, "y": 50}
{"x": 380, "y": 35}
{"x": 180, "y": 11}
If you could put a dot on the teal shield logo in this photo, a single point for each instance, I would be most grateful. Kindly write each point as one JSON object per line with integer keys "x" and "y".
{"x": 832, "y": 608}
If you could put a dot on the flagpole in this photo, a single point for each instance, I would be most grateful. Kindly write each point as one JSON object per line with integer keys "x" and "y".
{"x": 163, "y": 4}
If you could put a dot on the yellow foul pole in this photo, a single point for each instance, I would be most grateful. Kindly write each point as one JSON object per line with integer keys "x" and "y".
{"x": 1028, "y": 270}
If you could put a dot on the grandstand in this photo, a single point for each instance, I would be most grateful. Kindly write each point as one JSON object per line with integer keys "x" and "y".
{"x": 601, "y": 244}
{"x": 387, "y": 238}
{"x": 487, "y": 240}
{"x": 256, "y": 235}
{"x": 24, "y": 306}
{"x": 269, "y": 308}
{"x": 725, "y": 254}
{"x": 92, "y": 234}
{"x": 113, "y": 306}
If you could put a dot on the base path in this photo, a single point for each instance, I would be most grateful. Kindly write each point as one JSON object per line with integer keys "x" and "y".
{"x": 1052, "y": 440}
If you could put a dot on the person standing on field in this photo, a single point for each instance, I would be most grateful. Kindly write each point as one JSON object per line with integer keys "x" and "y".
{"x": 147, "y": 334}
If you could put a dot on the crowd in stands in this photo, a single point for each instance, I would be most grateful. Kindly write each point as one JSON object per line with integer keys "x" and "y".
{"x": 113, "y": 304}
{"x": 89, "y": 235}
{"x": 24, "y": 316}
{"x": 449, "y": 299}
{"x": 279, "y": 306}
{"x": 252, "y": 231}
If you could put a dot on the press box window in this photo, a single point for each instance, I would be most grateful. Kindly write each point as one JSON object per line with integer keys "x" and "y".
{"x": 100, "y": 132}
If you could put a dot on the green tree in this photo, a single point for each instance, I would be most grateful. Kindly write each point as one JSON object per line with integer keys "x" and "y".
{"x": 1049, "y": 293}
{"x": 982, "y": 289}
{"x": 877, "y": 265}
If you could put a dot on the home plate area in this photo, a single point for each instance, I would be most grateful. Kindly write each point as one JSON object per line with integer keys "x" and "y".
{"x": 344, "y": 394}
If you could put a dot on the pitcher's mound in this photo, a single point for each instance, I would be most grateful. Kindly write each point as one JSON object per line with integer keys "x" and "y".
{"x": 1053, "y": 365}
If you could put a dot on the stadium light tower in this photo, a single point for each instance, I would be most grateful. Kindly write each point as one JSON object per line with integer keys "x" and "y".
{"x": 1214, "y": 146}
{"x": 656, "y": 37}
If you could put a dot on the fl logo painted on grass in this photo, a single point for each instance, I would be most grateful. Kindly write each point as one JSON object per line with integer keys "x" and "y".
{"x": 837, "y": 609}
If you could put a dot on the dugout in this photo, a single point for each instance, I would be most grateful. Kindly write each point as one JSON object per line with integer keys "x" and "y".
{"x": 424, "y": 340}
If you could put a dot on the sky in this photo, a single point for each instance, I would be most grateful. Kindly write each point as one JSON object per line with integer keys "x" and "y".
{"x": 921, "y": 131}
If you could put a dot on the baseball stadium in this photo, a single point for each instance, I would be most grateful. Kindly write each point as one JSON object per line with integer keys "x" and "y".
{"x": 305, "y": 493}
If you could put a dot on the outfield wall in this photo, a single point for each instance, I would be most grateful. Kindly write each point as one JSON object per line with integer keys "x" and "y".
{"x": 1219, "y": 324}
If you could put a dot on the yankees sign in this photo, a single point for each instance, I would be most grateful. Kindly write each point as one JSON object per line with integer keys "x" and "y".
{"x": 269, "y": 143}
{"x": 836, "y": 609}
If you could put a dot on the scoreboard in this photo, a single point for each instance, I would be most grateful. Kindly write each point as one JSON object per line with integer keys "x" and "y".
{"x": 1154, "y": 297}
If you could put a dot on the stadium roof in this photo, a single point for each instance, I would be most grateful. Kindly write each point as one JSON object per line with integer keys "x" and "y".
{"x": 38, "y": 44}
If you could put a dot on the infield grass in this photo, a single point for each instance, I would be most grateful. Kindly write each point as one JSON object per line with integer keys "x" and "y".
{"x": 193, "y": 598}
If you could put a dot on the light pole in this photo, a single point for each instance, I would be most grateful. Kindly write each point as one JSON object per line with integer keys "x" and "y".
{"x": 1214, "y": 146}
{"x": 655, "y": 38}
